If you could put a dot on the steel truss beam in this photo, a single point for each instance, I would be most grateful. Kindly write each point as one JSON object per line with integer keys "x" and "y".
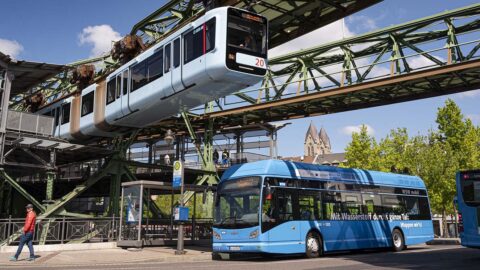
{"x": 378, "y": 68}
{"x": 300, "y": 16}
{"x": 115, "y": 168}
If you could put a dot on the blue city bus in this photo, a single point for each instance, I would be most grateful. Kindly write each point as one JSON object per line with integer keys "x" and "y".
{"x": 468, "y": 201}
{"x": 285, "y": 207}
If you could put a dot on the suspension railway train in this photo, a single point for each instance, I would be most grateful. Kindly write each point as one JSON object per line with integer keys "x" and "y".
{"x": 215, "y": 55}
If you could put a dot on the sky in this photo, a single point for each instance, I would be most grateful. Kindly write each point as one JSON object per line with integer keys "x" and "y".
{"x": 65, "y": 31}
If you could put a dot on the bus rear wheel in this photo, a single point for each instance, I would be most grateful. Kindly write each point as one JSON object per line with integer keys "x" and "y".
{"x": 398, "y": 241}
{"x": 313, "y": 245}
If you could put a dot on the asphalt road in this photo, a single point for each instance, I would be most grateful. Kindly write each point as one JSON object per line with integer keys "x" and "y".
{"x": 423, "y": 257}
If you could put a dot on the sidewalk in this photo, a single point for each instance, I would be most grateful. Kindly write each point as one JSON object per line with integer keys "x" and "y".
{"x": 107, "y": 256}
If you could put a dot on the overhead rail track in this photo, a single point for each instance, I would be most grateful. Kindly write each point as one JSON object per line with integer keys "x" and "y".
{"x": 288, "y": 20}
{"x": 429, "y": 57}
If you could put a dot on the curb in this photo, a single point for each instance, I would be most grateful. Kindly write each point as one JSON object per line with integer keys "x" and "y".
{"x": 444, "y": 241}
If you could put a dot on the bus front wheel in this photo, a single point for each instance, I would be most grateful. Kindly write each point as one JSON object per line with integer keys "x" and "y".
{"x": 398, "y": 241}
{"x": 313, "y": 245}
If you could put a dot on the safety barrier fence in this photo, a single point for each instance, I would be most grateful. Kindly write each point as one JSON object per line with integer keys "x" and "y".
{"x": 65, "y": 230}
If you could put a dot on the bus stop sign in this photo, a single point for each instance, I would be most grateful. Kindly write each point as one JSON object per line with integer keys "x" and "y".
{"x": 177, "y": 174}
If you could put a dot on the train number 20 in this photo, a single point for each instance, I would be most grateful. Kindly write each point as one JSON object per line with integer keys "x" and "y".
{"x": 260, "y": 62}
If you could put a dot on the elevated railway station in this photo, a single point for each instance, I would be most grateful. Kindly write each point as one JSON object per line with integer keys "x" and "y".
{"x": 364, "y": 71}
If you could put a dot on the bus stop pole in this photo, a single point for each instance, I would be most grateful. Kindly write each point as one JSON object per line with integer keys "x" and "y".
{"x": 180, "y": 250}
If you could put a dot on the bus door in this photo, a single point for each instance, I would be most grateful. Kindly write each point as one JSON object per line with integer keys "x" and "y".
{"x": 287, "y": 225}
{"x": 176, "y": 68}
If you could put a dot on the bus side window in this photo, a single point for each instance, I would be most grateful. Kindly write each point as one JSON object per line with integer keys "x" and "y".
{"x": 351, "y": 203}
{"x": 332, "y": 204}
{"x": 372, "y": 204}
{"x": 306, "y": 204}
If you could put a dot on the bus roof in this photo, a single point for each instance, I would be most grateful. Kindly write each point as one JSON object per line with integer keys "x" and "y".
{"x": 298, "y": 170}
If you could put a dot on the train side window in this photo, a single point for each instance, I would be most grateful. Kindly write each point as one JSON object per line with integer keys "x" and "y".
{"x": 193, "y": 44}
{"x": 65, "y": 113}
{"x": 87, "y": 103}
{"x": 139, "y": 76}
{"x": 176, "y": 53}
{"x": 167, "y": 57}
{"x": 118, "y": 85}
{"x": 210, "y": 35}
{"x": 57, "y": 115}
{"x": 111, "y": 91}
{"x": 125, "y": 82}
{"x": 155, "y": 66}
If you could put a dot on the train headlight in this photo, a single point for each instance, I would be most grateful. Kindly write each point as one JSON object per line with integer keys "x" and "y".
{"x": 254, "y": 234}
{"x": 216, "y": 235}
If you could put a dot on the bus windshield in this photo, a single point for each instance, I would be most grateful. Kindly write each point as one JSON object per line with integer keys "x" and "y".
{"x": 471, "y": 188}
{"x": 247, "y": 32}
{"x": 237, "y": 203}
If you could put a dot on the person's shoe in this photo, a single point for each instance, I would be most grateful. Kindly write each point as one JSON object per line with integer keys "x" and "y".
{"x": 13, "y": 259}
{"x": 31, "y": 259}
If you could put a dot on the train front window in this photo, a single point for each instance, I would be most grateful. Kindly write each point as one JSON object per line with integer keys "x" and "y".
{"x": 237, "y": 203}
{"x": 471, "y": 188}
{"x": 247, "y": 32}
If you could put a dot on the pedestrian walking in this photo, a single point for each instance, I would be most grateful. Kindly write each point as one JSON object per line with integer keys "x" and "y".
{"x": 27, "y": 235}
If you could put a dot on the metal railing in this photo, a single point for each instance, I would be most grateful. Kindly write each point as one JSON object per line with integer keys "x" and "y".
{"x": 65, "y": 230}
{"x": 165, "y": 229}
{"x": 30, "y": 123}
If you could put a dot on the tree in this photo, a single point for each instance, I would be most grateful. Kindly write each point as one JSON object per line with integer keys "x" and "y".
{"x": 362, "y": 151}
{"x": 435, "y": 158}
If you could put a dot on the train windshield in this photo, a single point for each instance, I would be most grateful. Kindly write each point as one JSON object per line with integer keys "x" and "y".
{"x": 237, "y": 203}
{"x": 471, "y": 188}
{"x": 247, "y": 32}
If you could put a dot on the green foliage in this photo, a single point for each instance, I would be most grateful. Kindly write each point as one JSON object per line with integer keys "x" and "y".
{"x": 435, "y": 158}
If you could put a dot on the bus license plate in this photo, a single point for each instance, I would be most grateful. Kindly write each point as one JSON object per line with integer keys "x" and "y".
{"x": 235, "y": 248}
{"x": 252, "y": 61}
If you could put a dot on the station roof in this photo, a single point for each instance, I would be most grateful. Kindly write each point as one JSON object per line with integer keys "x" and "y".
{"x": 27, "y": 74}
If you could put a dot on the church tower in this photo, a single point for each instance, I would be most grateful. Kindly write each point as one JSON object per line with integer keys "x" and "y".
{"x": 316, "y": 143}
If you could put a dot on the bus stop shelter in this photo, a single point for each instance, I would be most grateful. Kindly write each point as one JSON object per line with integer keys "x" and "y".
{"x": 144, "y": 223}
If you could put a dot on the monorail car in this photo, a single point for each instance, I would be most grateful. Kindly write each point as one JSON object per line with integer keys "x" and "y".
{"x": 219, "y": 53}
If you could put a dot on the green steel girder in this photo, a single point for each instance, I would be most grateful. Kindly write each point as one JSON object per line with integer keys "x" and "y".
{"x": 355, "y": 60}
{"x": 300, "y": 16}
{"x": 374, "y": 62}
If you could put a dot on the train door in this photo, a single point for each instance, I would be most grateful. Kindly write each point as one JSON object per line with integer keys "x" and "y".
{"x": 167, "y": 69}
{"x": 176, "y": 70}
{"x": 193, "y": 70}
{"x": 122, "y": 83}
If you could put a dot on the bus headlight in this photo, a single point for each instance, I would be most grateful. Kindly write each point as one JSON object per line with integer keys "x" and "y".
{"x": 216, "y": 235}
{"x": 254, "y": 234}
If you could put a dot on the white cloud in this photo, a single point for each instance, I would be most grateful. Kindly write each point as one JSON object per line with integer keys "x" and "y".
{"x": 100, "y": 37}
{"x": 469, "y": 94}
{"x": 474, "y": 117}
{"x": 362, "y": 23}
{"x": 348, "y": 130}
{"x": 10, "y": 47}
{"x": 329, "y": 33}
{"x": 421, "y": 61}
